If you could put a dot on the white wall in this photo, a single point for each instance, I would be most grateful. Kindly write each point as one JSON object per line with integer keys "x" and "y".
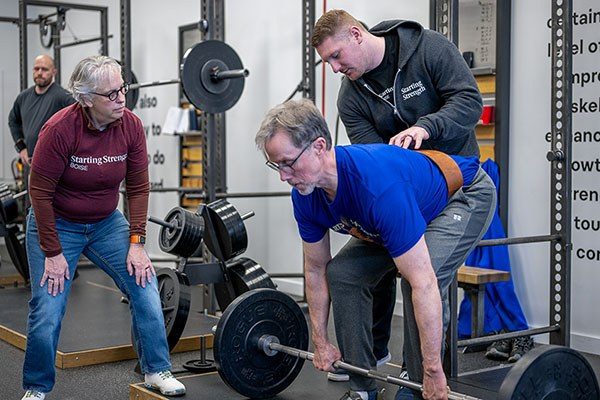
{"x": 9, "y": 84}
{"x": 529, "y": 171}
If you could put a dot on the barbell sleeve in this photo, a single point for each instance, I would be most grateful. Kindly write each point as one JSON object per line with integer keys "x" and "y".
{"x": 229, "y": 74}
{"x": 162, "y": 223}
{"x": 270, "y": 345}
{"x": 20, "y": 194}
{"x": 249, "y": 214}
{"x": 134, "y": 86}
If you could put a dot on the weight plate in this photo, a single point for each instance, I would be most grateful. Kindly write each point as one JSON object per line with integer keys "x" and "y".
{"x": 47, "y": 33}
{"x": 175, "y": 295}
{"x": 185, "y": 237}
{"x": 199, "y": 366}
{"x": 205, "y": 94}
{"x": 229, "y": 238}
{"x": 241, "y": 363}
{"x": 550, "y": 373}
{"x": 15, "y": 244}
{"x": 9, "y": 210}
{"x": 131, "y": 98}
{"x": 244, "y": 275}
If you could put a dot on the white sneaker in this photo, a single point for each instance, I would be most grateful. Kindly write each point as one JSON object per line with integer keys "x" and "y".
{"x": 340, "y": 375}
{"x": 33, "y": 395}
{"x": 404, "y": 374}
{"x": 165, "y": 382}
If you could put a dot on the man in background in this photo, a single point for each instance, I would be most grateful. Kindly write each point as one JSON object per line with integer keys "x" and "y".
{"x": 34, "y": 106}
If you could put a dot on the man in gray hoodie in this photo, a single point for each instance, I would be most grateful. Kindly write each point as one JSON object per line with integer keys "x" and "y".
{"x": 407, "y": 86}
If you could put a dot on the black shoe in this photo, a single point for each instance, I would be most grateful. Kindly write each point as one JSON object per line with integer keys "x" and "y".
{"x": 499, "y": 350}
{"x": 520, "y": 346}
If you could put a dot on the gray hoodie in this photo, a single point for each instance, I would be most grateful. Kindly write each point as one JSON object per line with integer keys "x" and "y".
{"x": 433, "y": 89}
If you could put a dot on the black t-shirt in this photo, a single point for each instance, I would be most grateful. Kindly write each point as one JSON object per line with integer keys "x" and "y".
{"x": 381, "y": 78}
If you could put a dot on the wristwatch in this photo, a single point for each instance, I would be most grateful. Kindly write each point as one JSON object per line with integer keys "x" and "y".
{"x": 139, "y": 239}
{"x": 20, "y": 145}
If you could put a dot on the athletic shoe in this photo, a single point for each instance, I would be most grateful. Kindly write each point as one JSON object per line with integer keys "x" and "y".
{"x": 499, "y": 350}
{"x": 165, "y": 382}
{"x": 520, "y": 346}
{"x": 33, "y": 395}
{"x": 364, "y": 395}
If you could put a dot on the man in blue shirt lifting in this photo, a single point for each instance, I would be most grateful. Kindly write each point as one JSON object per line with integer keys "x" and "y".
{"x": 396, "y": 203}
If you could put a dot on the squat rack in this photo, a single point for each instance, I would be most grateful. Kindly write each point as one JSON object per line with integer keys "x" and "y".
{"x": 61, "y": 10}
{"x": 444, "y": 17}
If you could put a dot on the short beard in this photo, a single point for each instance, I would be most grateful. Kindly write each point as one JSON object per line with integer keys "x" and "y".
{"x": 308, "y": 189}
{"x": 45, "y": 83}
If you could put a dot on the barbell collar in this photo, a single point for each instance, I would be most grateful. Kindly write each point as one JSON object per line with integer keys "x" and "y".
{"x": 230, "y": 74}
{"x": 134, "y": 86}
{"x": 271, "y": 346}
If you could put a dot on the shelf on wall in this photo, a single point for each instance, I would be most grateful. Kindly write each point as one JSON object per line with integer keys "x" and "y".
{"x": 485, "y": 131}
{"x": 483, "y": 71}
{"x": 486, "y": 84}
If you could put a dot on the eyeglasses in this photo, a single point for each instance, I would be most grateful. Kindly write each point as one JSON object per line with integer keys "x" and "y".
{"x": 114, "y": 94}
{"x": 285, "y": 166}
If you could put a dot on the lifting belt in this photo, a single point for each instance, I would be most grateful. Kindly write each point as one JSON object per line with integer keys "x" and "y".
{"x": 448, "y": 167}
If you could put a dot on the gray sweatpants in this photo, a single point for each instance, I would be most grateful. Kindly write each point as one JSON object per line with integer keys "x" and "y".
{"x": 362, "y": 281}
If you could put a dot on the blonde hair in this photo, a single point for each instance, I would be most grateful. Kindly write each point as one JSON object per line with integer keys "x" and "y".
{"x": 331, "y": 24}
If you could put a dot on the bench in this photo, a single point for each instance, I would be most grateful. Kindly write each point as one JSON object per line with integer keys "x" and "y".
{"x": 473, "y": 281}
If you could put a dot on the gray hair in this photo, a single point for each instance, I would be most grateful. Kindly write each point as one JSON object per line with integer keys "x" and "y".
{"x": 88, "y": 73}
{"x": 300, "y": 119}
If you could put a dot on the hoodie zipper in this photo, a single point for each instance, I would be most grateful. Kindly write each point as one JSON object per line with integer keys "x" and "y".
{"x": 396, "y": 112}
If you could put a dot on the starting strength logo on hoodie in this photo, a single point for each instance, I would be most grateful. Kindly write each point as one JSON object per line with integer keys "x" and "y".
{"x": 413, "y": 90}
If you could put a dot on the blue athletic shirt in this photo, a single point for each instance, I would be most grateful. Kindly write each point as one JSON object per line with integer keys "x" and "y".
{"x": 390, "y": 205}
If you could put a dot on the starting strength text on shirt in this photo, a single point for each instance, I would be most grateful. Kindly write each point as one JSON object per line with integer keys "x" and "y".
{"x": 81, "y": 163}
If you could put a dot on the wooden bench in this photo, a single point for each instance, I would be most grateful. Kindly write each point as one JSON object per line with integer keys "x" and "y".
{"x": 473, "y": 281}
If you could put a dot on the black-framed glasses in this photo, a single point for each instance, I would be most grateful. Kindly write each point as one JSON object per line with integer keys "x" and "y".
{"x": 287, "y": 167}
{"x": 114, "y": 94}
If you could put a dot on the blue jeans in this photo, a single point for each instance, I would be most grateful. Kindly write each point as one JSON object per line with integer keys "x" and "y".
{"x": 106, "y": 244}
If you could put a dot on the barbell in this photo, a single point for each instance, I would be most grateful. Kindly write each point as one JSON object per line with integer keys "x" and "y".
{"x": 261, "y": 343}
{"x": 218, "y": 223}
{"x": 211, "y": 76}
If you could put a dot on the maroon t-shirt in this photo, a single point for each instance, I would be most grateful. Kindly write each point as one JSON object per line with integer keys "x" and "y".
{"x": 88, "y": 164}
